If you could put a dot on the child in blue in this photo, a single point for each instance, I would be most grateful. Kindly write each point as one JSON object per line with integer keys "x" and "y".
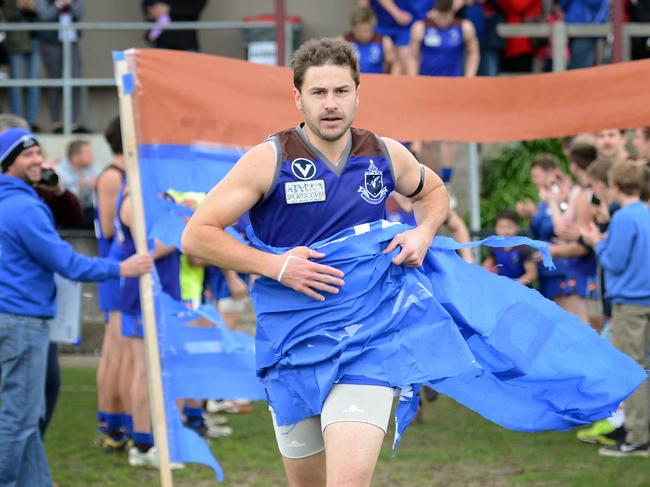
{"x": 624, "y": 255}
{"x": 515, "y": 262}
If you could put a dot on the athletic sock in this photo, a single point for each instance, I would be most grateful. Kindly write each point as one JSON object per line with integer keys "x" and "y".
{"x": 142, "y": 441}
{"x": 127, "y": 424}
{"x": 114, "y": 426}
{"x": 102, "y": 427}
{"x": 194, "y": 416}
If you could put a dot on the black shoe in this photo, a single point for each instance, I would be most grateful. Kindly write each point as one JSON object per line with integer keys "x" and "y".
{"x": 624, "y": 450}
{"x": 35, "y": 128}
{"x": 617, "y": 435}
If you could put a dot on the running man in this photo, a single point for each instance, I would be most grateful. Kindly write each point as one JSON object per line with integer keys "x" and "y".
{"x": 302, "y": 185}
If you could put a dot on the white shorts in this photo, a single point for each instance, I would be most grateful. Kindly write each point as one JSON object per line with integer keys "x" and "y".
{"x": 345, "y": 403}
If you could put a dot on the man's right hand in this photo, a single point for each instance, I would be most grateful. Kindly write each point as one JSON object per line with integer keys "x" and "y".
{"x": 136, "y": 265}
{"x": 297, "y": 272}
{"x": 402, "y": 17}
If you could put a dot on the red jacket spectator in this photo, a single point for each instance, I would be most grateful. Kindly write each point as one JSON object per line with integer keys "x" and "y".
{"x": 516, "y": 12}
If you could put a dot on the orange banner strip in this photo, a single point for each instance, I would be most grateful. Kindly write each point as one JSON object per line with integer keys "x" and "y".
{"x": 182, "y": 98}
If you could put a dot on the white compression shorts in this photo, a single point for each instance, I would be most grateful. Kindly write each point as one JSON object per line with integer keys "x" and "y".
{"x": 345, "y": 403}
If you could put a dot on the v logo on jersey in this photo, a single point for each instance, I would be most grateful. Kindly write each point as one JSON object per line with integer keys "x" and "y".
{"x": 303, "y": 169}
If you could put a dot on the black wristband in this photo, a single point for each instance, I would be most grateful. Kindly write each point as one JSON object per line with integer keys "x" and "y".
{"x": 420, "y": 184}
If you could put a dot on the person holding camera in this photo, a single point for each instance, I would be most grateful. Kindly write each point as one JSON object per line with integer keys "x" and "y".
{"x": 30, "y": 253}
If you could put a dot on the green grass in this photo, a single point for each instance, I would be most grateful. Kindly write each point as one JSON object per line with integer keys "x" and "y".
{"x": 452, "y": 447}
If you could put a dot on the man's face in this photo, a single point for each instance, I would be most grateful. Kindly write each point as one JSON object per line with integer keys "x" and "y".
{"x": 328, "y": 99}
{"x": 506, "y": 227}
{"x": 541, "y": 178}
{"x": 610, "y": 143}
{"x": 641, "y": 144}
{"x": 600, "y": 189}
{"x": 363, "y": 32}
{"x": 84, "y": 158}
{"x": 27, "y": 166}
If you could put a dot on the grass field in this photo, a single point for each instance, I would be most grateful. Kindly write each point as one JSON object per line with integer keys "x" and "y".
{"x": 452, "y": 447}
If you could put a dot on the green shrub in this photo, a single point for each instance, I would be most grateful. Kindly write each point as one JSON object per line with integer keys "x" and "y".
{"x": 506, "y": 177}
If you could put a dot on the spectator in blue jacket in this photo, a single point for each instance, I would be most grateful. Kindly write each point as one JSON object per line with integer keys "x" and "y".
{"x": 583, "y": 49}
{"x": 30, "y": 253}
{"x": 624, "y": 255}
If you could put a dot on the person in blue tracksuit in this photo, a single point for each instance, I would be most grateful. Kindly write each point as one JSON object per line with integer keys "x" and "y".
{"x": 304, "y": 184}
{"x": 31, "y": 252}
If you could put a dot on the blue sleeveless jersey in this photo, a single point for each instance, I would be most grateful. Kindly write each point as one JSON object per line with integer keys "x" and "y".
{"x": 510, "y": 262}
{"x": 370, "y": 54}
{"x": 168, "y": 268}
{"x": 312, "y": 198}
{"x": 442, "y": 50}
{"x": 108, "y": 291}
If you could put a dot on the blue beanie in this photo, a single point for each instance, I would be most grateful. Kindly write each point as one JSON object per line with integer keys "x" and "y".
{"x": 12, "y": 142}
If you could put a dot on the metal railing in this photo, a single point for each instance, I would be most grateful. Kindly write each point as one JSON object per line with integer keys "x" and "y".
{"x": 560, "y": 33}
{"x": 67, "y": 82}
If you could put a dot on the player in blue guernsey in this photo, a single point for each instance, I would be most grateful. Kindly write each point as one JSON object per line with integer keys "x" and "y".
{"x": 394, "y": 19}
{"x": 167, "y": 263}
{"x": 302, "y": 185}
{"x": 376, "y": 52}
{"x": 443, "y": 46}
{"x": 113, "y": 371}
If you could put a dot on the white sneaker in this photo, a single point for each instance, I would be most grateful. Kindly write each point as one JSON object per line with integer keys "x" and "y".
{"x": 214, "y": 420}
{"x": 149, "y": 459}
{"x": 215, "y": 431}
{"x": 221, "y": 407}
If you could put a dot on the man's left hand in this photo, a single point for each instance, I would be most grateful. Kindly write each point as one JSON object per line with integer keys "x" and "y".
{"x": 591, "y": 235}
{"x": 414, "y": 243}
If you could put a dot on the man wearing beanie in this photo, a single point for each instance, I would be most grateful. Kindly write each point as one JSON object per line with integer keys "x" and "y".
{"x": 30, "y": 253}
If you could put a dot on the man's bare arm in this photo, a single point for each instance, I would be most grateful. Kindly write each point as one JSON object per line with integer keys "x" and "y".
{"x": 205, "y": 237}
{"x": 430, "y": 204}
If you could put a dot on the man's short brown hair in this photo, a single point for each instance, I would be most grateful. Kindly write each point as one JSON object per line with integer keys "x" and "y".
{"x": 546, "y": 162}
{"x": 321, "y": 52}
{"x": 444, "y": 6}
{"x": 362, "y": 15}
{"x": 583, "y": 155}
{"x": 75, "y": 147}
{"x": 629, "y": 178}
{"x": 599, "y": 170}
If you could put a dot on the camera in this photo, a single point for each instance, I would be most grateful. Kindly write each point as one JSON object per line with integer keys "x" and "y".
{"x": 595, "y": 200}
{"x": 49, "y": 178}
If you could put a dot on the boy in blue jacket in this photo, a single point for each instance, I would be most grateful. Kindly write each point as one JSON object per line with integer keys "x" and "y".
{"x": 624, "y": 255}
{"x": 30, "y": 253}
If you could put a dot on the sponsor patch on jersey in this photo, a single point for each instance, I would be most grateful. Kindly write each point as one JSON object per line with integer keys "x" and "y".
{"x": 303, "y": 169}
{"x": 304, "y": 191}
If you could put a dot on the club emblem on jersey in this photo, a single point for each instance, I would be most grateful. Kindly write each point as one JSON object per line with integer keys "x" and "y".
{"x": 303, "y": 169}
{"x": 373, "y": 190}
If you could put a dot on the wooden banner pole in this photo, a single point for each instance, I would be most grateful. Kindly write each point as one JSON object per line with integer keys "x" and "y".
{"x": 125, "y": 82}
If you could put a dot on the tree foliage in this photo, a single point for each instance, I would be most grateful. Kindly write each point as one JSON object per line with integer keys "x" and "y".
{"x": 506, "y": 176}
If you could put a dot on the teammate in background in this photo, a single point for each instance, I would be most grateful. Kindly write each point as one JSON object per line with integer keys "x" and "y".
{"x": 394, "y": 20}
{"x": 345, "y": 176}
{"x": 116, "y": 361}
{"x": 516, "y": 262}
{"x": 623, "y": 254}
{"x": 400, "y": 209}
{"x": 376, "y": 52}
{"x": 443, "y": 46}
{"x": 611, "y": 144}
{"x": 143, "y": 453}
